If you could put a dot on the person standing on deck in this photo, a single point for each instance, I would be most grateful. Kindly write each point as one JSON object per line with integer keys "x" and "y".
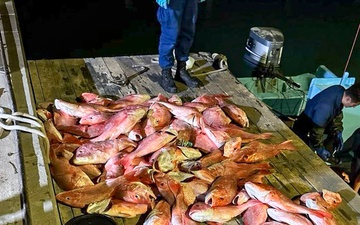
{"x": 177, "y": 19}
{"x": 320, "y": 124}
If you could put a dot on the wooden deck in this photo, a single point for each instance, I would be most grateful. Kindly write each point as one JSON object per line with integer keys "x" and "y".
{"x": 30, "y": 199}
{"x": 296, "y": 172}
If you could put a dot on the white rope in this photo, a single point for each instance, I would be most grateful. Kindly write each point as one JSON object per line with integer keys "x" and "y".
{"x": 25, "y": 118}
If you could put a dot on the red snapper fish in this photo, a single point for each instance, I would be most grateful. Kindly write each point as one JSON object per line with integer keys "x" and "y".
{"x": 168, "y": 187}
{"x": 222, "y": 191}
{"x": 120, "y": 208}
{"x": 179, "y": 210}
{"x": 211, "y": 99}
{"x": 257, "y": 151}
{"x": 187, "y": 114}
{"x": 80, "y": 109}
{"x": 135, "y": 192}
{"x": 255, "y": 215}
{"x": 80, "y": 197}
{"x": 93, "y": 98}
{"x": 67, "y": 176}
{"x": 235, "y": 113}
{"x": 95, "y": 118}
{"x": 218, "y": 137}
{"x": 274, "y": 198}
{"x": 157, "y": 118}
{"x": 129, "y": 100}
{"x": 102, "y": 151}
{"x": 215, "y": 116}
{"x": 160, "y": 215}
{"x": 327, "y": 199}
{"x": 288, "y": 217}
{"x": 236, "y": 131}
{"x": 203, "y": 212}
{"x": 121, "y": 123}
{"x": 203, "y": 142}
{"x": 312, "y": 204}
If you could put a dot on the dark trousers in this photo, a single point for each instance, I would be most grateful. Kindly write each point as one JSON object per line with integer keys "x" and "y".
{"x": 177, "y": 31}
{"x": 353, "y": 144}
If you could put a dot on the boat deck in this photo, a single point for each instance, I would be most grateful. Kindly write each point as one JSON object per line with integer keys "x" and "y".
{"x": 30, "y": 189}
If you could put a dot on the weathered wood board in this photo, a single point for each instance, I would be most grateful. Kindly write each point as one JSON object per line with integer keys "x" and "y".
{"x": 295, "y": 172}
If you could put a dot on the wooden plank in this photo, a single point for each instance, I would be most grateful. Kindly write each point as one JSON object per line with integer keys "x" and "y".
{"x": 102, "y": 78}
{"x": 47, "y": 77}
{"x": 151, "y": 78}
{"x": 75, "y": 69}
{"x": 35, "y": 81}
{"x": 62, "y": 80}
{"x": 119, "y": 80}
{"x": 134, "y": 74}
{"x": 87, "y": 76}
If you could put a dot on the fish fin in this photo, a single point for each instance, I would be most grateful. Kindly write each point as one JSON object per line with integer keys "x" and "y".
{"x": 287, "y": 145}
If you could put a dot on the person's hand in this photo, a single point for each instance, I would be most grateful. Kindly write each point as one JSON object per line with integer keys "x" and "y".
{"x": 339, "y": 142}
{"x": 163, "y": 3}
{"x": 323, "y": 153}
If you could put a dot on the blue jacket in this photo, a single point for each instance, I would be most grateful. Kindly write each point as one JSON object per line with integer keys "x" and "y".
{"x": 322, "y": 115}
{"x": 325, "y": 106}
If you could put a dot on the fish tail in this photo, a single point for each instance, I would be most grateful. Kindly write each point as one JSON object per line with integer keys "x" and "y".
{"x": 288, "y": 145}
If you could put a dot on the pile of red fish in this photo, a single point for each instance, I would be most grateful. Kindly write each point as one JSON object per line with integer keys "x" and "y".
{"x": 177, "y": 162}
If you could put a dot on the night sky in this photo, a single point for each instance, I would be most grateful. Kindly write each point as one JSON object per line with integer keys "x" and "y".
{"x": 316, "y": 32}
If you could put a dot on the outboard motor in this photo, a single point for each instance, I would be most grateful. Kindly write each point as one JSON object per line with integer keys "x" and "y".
{"x": 263, "y": 53}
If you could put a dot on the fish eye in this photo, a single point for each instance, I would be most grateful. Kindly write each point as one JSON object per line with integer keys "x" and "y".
{"x": 137, "y": 196}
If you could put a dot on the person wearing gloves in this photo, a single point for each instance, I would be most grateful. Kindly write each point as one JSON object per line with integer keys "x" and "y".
{"x": 320, "y": 124}
{"x": 177, "y": 19}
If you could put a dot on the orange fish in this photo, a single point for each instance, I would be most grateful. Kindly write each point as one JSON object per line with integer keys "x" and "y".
{"x": 137, "y": 133}
{"x": 239, "y": 170}
{"x": 203, "y": 142}
{"x": 235, "y": 113}
{"x": 168, "y": 187}
{"x": 231, "y": 146}
{"x": 135, "y": 192}
{"x": 288, "y": 217}
{"x": 157, "y": 118}
{"x": 241, "y": 197}
{"x": 67, "y": 176}
{"x": 222, "y": 191}
{"x": 313, "y": 204}
{"x": 179, "y": 210}
{"x": 93, "y": 98}
{"x": 120, "y": 208}
{"x": 211, "y": 99}
{"x": 100, "y": 152}
{"x": 327, "y": 199}
{"x": 236, "y": 131}
{"x": 129, "y": 100}
{"x": 255, "y": 215}
{"x": 160, "y": 215}
{"x": 269, "y": 195}
{"x": 203, "y": 212}
{"x": 95, "y": 118}
{"x": 215, "y": 116}
{"x": 152, "y": 143}
{"x": 121, "y": 123}
{"x": 80, "y": 109}
{"x": 257, "y": 151}
{"x": 218, "y": 137}
{"x": 187, "y": 114}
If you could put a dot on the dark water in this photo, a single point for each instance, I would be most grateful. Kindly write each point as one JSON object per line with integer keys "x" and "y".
{"x": 316, "y": 31}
